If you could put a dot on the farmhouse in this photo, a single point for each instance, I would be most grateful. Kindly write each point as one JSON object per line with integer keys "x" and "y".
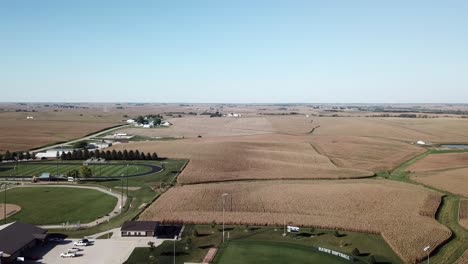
{"x": 131, "y": 121}
{"x": 139, "y": 228}
{"x": 17, "y": 238}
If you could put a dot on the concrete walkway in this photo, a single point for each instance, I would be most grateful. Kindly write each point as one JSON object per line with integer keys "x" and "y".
{"x": 114, "y": 213}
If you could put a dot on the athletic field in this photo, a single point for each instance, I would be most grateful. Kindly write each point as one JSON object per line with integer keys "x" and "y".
{"x": 269, "y": 252}
{"x": 61, "y": 168}
{"x": 57, "y": 205}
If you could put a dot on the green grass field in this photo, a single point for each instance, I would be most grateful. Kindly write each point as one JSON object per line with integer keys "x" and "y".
{"x": 272, "y": 246}
{"x": 101, "y": 170}
{"x": 267, "y": 252}
{"x": 147, "y": 193}
{"x": 57, "y": 205}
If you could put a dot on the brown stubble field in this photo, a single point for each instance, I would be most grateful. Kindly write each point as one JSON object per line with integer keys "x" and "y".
{"x": 393, "y": 209}
{"x": 257, "y": 157}
{"x": 463, "y": 259}
{"x": 18, "y": 133}
{"x": 448, "y": 172}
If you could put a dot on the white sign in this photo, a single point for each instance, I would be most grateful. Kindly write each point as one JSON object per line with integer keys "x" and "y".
{"x": 293, "y": 229}
{"x": 333, "y": 252}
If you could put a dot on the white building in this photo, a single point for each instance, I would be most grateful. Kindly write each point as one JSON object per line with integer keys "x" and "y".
{"x": 30, "y": 117}
{"x": 52, "y": 153}
{"x": 234, "y": 115}
{"x": 421, "y": 143}
{"x": 131, "y": 121}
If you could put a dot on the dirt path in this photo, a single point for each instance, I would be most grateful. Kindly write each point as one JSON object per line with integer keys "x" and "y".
{"x": 11, "y": 209}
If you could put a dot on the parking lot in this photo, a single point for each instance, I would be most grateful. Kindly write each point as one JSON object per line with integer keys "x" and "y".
{"x": 113, "y": 250}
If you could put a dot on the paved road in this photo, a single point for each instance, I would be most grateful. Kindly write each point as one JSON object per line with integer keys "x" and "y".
{"x": 112, "y": 214}
{"x": 80, "y": 139}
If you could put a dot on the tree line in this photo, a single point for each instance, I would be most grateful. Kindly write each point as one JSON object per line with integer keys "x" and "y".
{"x": 80, "y": 154}
{"x": 16, "y": 156}
{"x": 108, "y": 155}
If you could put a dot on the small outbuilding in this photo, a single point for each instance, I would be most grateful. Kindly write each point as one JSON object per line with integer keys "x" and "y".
{"x": 139, "y": 228}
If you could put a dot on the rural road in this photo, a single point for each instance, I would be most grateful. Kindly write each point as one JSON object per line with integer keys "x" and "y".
{"x": 112, "y": 214}
{"x": 80, "y": 139}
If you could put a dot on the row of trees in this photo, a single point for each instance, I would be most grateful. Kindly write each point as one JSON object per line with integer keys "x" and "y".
{"x": 108, "y": 155}
{"x": 16, "y": 156}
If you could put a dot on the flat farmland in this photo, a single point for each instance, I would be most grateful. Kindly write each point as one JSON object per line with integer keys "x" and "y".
{"x": 191, "y": 127}
{"x": 448, "y": 172}
{"x": 19, "y": 133}
{"x": 393, "y": 209}
{"x": 436, "y": 130}
{"x": 463, "y": 213}
{"x": 365, "y": 153}
{"x": 463, "y": 259}
{"x": 440, "y": 162}
{"x": 258, "y": 157}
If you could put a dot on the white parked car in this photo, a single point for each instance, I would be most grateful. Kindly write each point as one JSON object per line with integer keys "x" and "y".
{"x": 67, "y": 255}
{"x": 81, "y": 243}
{"x": 73, "y": 250}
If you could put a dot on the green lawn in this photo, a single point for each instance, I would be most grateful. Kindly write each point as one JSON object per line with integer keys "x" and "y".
{"x": 272, "y": 246}
{"x": 57, "y": 205}
{"x": 146, "y": 194}
{"x": 61, "y": 168}
{"x": 263, "y": 252}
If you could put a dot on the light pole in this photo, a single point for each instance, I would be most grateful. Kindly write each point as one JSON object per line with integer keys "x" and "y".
{"x": 175, "y": 238}
{"x": 426, "y": 249}
{"x": 121, "y": 193}
{"x": 127, "y": 179}
{"x": 224, "y": 195}
{"x": 4, "y": 205}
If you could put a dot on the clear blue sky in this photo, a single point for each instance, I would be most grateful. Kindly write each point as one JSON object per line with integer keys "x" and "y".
{"x": 234, "y": 51}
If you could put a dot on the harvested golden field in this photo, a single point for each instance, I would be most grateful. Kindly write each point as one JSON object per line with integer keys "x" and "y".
{"x": 454, "y": 181}
{"x": 463, "y": 259}
{"x": 448, "y": 172}
{"x": 257, "y": 157}
{"x": 294, "y": 125}
{"x": 365, "y": 153}
{"x": 19, "y": 133}
{"x": 463, "y": 213}
{"x": 436, "y": 130}
{"x": 440, "y": 162}
{"x": 191, "y": 127}
{"x": 391, "y": 209}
